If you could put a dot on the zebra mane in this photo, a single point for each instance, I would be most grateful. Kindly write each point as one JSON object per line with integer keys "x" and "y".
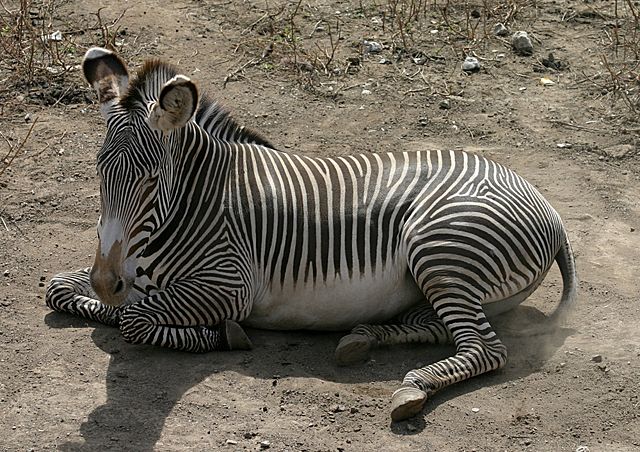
{"x": 211, "y": 116}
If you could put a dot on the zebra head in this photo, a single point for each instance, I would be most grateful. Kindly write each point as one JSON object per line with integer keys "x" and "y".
{"x": 132, "y": 163}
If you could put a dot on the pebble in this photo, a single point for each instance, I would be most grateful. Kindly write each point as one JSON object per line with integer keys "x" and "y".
{"x": 500, "y": 29}
{"x": 423, "y": 122}
{"x": 475, "y": 410}
{"x": 632, "y": 229}
{"x": 444, "y": 105}
{"x": 265, "y": 444}
{"x": 521, "y": 43}
{"x": 231, "y": 442}
{"x": 596, "y": 358}
{"x": 372, "y": 46}
{"x": 338, "y": 408}
{"x": 471, "y": 64}
{"x": 6, "y": 273}
{"x": 619, "y": 151}
{"x": 365, "y": 92}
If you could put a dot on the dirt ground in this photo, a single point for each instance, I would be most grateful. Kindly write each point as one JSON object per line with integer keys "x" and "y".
{"x": 69, "y": 384}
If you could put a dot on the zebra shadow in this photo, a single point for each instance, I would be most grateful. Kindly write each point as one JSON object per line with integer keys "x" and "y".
{"x": 145, "y": 384}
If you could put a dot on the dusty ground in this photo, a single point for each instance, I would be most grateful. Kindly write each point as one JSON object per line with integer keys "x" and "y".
{"x": 69, "y": 384}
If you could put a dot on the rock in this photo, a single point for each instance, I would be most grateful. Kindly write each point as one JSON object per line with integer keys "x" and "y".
{"x": 551, "y": 62}
{"x": 372, "y": 46}
{"x": 265, "y": 444}
{"x": 353, "y": 410}
{"x": 475, "y": 410}
{"x": 338, "y": 408}
{"x": 596, "y": 358}
{"x": 500, "y": 29}
{"x": 444, "y": 105}
{"x": 423, "y": 122}
{"x": 365, "y": 92}
{"x": 231, "y": 442}
{"x": 5, "y": 273}
{"x": 619, "y": 151}
{"x": 521, "y": 43}
{"x": 471, "y": 64}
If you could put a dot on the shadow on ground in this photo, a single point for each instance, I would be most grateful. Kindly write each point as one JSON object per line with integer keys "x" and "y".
{"x": 144, "y": 383}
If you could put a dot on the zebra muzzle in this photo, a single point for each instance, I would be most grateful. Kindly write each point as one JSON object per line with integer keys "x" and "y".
{"x": 107, "y": 276}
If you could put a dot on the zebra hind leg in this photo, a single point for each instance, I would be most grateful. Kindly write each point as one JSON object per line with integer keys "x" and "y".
{"x": 71, "y": 292}
{"x": 478, "y": 350}
{"x": 418, "y": 325}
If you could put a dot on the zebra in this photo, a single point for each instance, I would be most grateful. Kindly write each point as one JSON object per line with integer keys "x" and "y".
{"x": 206, "y": 227}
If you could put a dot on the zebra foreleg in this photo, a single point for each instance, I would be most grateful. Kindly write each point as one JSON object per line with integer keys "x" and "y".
{"x": 478, "y": 351}
{"x": 71, "y": 292}
{"x": 152, "y": 321}
{"x": 418, "y": 325}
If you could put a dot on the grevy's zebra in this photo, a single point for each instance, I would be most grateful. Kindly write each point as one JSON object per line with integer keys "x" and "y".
{"x": 204, "y": 224}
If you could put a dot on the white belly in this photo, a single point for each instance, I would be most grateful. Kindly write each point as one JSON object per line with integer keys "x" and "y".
{"x": 337, "y": 304}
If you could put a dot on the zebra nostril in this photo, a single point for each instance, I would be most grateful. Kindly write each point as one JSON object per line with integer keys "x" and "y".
{"x": 119, "y": 286}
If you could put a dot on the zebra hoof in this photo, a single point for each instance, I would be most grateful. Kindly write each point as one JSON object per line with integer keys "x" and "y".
{"x": 406, "y": 402}
{"x": 237, "y": 339}
{"x": 352, "y": 349}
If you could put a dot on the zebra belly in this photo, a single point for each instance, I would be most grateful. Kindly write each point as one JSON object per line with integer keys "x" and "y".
{"x": 337, "y": 304}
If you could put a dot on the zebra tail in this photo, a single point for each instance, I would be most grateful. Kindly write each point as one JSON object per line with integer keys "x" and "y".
{"x": 567, "y": 265}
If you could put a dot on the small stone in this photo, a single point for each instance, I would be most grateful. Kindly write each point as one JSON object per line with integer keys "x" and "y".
{"x": 231, "y": 442}
{"x": 596, "y": 358}
{"x": 5, "y": 273}
{"x": 372, "y": 46}
{"x": 632, "y": 229}
{"x": 265, "y": 444}
{"x": 471, "y": 64}
{"x": 40, "y": 284}
{"x": 603, "y": 367}
{"x": 249, "y": 435}
{"x": 27, "y": 117}
{"x": 353, "y": 410}
{"x": 365, "y": 92}
{"x": 423, "y": 122}
{"x": 384, "y": 61}
{"x": 500, "y": 29}
{"x": 619, "y": 151}
{"x": 444, "y": 105}
{"x": 338, "y": 408}
{"x": 475, "y": 410}
{"x": 521, "y": 43}
{"x": 43, "y": 278}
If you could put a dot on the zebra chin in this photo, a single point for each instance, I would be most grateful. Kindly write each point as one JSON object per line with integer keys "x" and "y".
{"x": 110, "y": 276}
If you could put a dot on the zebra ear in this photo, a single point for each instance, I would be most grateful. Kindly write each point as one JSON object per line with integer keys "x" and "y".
{"x": 176, "y": 105}
{"x": 107, "y": 73}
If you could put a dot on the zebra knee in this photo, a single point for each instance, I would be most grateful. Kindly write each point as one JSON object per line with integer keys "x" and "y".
{"x": 134, "y": 327}
{"x": 59, "y": 293}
